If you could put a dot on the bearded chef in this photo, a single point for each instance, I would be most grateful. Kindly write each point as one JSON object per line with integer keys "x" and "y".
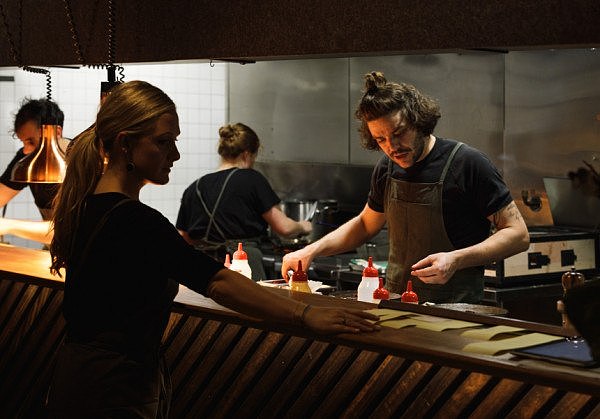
{"x": 447, "y": 208}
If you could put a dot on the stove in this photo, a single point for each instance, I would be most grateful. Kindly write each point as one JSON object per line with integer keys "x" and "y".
{"x": 553, "y": 250}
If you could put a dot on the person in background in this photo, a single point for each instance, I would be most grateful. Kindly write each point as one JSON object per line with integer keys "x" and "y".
{"x": 123, "y": 262}
{"x": 27, "y": 128}
{"x": 235, "y": 204}
{"x": 439, "y": 197}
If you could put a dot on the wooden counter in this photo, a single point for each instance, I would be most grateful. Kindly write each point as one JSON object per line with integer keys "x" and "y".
{"x": 226, "y": 364}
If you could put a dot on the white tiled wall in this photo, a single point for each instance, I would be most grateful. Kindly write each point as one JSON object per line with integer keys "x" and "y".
{"x": 198, "y": 90}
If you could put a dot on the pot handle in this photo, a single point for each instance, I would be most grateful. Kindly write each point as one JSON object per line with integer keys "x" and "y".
{"x": 311, "y": 213}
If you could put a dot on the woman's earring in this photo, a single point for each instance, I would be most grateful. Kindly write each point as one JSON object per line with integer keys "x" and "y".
{"x": 130, "y": 166}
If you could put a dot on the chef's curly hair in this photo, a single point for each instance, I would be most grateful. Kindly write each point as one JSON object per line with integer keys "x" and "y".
{"x": 381, "y": 98}
{"x": 235, "y": 139}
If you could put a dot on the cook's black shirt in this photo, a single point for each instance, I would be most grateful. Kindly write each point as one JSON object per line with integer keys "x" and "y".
{"x": 43, "y": 193}
{"x": 473, "y": 189}
{"x": 246, "y": 197}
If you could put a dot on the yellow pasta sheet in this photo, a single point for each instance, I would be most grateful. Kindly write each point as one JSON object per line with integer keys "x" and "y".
{"x": 490, "y": 332}
{"x": 494, "y": 347}
{"x": 388, "y": 314}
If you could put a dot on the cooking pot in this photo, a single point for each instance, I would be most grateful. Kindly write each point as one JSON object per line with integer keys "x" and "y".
{"x": 299, "y": 210}
{"x": 324, "y": 215}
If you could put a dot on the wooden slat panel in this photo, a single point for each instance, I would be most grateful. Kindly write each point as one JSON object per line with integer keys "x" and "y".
{"x": 278, "y": 365}
{"x": 404, "y": 388}
{"x": 34, "y": 332}
{"x": 302, "y": 371}
{"x": 9, "y": 313}
{"x": 530, "y": 405}
{"x": 433, "y": 391}
{"x": 386, "y": 374}
{"x": 204, "y": 357}
{"x": 229, "y": 370}
{"x": 499, "y": 399}
{"x": 250, "y": 381}
{"x": 233, "y": 360}
{"x": 349, "y": 388}
{"x": 325, "y": 376}
{"x": 569, "y": 406}
{"x": 594, "y": 408}
{"x": 463, "y": 396}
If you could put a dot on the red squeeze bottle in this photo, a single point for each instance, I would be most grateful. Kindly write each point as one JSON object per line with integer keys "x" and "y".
{"x": 227, "y": 261}
{"x": 409, "y": 296}
{"x": 381, "y": 293}
{"x": 299, "y": 280}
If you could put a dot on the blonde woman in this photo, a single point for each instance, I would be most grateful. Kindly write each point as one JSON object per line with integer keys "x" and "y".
{"x": 124, "y": 260}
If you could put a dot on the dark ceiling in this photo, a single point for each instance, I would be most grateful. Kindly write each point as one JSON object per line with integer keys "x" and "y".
{"x": 47, "y": 33}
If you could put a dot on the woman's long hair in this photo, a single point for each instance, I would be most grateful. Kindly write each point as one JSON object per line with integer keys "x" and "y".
{"x": 131, "y": 108}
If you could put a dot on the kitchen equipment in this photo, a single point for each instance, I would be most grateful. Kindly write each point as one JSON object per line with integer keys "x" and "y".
{"x": 324, "y": 214}
{"x": 474, "y": 308}
{"x": 570, "y": 206}
{"x": 552, "y": 250}
{"x": 298, "y": 209}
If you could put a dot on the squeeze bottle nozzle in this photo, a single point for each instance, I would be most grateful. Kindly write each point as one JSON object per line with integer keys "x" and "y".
{"x": 409, "y": 296}
{"x": 239, "y": 254}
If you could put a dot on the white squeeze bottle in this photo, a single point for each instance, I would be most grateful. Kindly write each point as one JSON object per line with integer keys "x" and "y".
{"x": 239, "y": 262}
{"x": 369, "y": 283}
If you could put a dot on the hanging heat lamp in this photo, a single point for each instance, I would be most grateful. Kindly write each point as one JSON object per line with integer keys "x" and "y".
{"x": 46, "y": 164}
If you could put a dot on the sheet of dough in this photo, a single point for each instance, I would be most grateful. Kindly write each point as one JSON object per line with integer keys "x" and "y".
{"x": 438, "y": 326}
{"x": 489, "y": 332}
{"x": 388, "y": 314}
{"x": 400, "y": 323}
{"x": 493, "y": 347}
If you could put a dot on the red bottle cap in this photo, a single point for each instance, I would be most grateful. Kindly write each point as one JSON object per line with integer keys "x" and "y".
{"x": 381, "y": 293}
{"x": 240, "y": 254}
{"x": 227, "y": 261}
{"x": 299, "y": 275}
{"x": 370, "y": 271}
{"x": 409, "y": 296}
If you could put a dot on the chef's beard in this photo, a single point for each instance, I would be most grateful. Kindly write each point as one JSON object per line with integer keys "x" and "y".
{"x": 416, "y": 151}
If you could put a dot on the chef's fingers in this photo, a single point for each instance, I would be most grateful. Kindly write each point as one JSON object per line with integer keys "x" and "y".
{"x": 423, "y": 263}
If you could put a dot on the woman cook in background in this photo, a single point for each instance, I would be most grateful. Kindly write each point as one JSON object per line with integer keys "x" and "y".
{"x": 124, "y": 260}
{"x": 235, "y": 203}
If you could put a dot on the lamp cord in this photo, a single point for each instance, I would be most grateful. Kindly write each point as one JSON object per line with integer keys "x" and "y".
{"x": 17, "y": 56}
{"x": 13, "y": 50}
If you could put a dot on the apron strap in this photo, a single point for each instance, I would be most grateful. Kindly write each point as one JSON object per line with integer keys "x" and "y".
{"x": 449, "y": 161}
{"x": 211, "y": 214}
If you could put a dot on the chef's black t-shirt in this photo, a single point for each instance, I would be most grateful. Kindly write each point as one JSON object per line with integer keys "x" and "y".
{"x": 43, "y": 193}
{"x": 473, "y": 189}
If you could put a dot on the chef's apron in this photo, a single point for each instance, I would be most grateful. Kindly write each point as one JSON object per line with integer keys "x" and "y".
{"x": 416, "y": 229}
{"x": 217, "y": 249}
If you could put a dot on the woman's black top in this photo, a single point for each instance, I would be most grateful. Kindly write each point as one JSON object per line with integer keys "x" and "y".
{"x": 121, "y": 294}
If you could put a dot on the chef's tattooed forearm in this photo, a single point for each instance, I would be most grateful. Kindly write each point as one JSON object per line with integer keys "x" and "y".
{"x": 511, "y": 211}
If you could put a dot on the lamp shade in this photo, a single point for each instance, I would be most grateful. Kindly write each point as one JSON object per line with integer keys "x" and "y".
{"x": 46, "y": 164}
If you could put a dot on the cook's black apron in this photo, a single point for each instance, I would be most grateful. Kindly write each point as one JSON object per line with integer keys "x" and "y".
{"x": 217, "y": 249}
{"x": 416, "y": 229}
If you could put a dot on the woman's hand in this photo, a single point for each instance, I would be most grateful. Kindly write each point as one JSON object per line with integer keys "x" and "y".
{"x": 330, "y": 320}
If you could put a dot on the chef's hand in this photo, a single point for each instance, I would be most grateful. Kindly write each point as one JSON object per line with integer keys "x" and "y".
{"x": 327, "y": 320}
{"x": 435, "y": 269}
{"x": 306, "y": 227}
{"x": 290, "y": 261}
